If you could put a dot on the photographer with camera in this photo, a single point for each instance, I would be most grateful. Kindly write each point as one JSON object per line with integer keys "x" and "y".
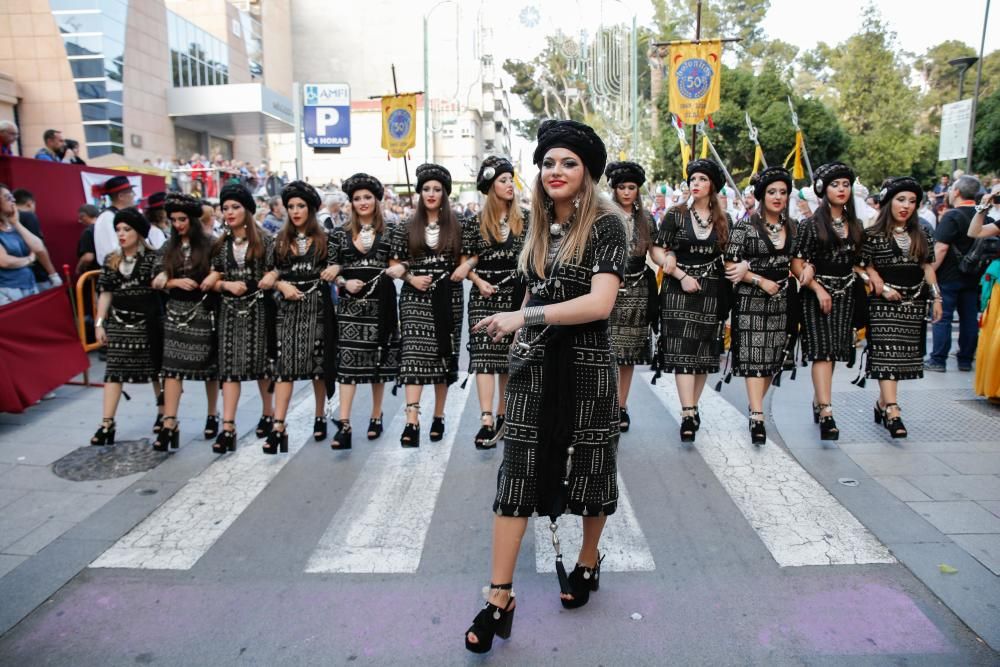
{"x": 985, "y": 252}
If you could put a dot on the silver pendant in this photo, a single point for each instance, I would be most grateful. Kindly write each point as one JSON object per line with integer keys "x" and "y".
{"x": 556, "y": 229}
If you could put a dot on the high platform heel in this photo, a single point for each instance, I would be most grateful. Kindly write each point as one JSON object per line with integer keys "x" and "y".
{"x": 375, "y": 427}
{"x": 689, "y": 425}
{"x": 879, "y": 413}
{"x": 624, "y": 422}
{"x": 168, "y": 437}
{"x": 486, "y": 431}
{"x": 411, "y": 432}
{"x": 894, "y": 425}
{"x": 491, "y": 621}
{"x": 319, "y": 429}
{"x": 827, "y": 424}
{"x": 437, "y": 429}
{"x": 582, "y": 581}
{"x": 226, "y": 442}
{"x": 264, "y": 426}
{"x": 211, "y": 426}
{"x": 105, "y": 434}
{"x": 276, "y": 440}
{"x": 342, "y": 438}
{"x": 758, "y": 432}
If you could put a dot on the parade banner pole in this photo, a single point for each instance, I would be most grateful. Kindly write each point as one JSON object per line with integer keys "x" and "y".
{"x": 725, "y": 171}
{"x": 795, "y": 124}
{"x": 406, "y": 166}
{"x": 753, "y": 137}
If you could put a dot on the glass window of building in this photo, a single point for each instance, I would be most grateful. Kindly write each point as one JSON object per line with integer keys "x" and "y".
{"x": 196, "y": 57}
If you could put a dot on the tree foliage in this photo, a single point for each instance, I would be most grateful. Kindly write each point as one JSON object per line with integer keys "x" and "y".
{"x": 986, "y": 144}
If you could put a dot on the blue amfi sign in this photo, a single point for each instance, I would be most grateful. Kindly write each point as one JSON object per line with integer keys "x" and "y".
{"x": 326, "y": 117}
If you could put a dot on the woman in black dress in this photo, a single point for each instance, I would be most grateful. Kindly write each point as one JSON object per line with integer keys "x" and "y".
{"x": 305, "y": 311}
{"x": 491, "y": 244}
{"x": 636, "y": 306}
{"x": 367, "y": 315}
{"x": 561, "y": 429}
{"x": 757, "y": 260}
{"x": 189, "y": 342}
{"x": 898, "y": 256}
{"x": 827, "y": 249}
{"x": 128, "y": 316}
{"x": 425, "y": 253}
{"x": 694, "y": 297}
{"x": 244, "y": 274}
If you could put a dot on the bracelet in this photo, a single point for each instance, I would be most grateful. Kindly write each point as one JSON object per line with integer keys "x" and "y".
{"x": 886, "y": 289}
{"x": 683, "y": 277}
{"x": 471, "y": 262}
{"x": 983, "y": 207}
{"x": 340, "y": 281}
{"x": 755, "y": 281}
{"x": 99, "y": 322}
{"x": 534, "y": 316}
{"x": 935, "y": 291}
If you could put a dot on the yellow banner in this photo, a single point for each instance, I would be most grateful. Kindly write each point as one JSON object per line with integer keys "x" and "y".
{"x": 798, "y": 170}
{"x": 399, "y": 124}
{"x": 695, "y": 75}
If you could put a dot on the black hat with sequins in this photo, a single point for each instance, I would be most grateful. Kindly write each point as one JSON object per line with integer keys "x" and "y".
{"x": 625, "y": 172}
{"x": 361, "y": 181}
{"x": 768, "y": 176}
{"x": 490, "y": 170}
{"x": 303, "y": 191}
{"x": 893, "y": 185}
{"x": 238, "y": 193}
{"x": 828, "y": 173}
{"x": 180, "y": 203}
{"x": 132, "y": 217}
{"x": 433, "y": 172}
{"x": 574, "y": 136}
{"x": 708, "y": 167}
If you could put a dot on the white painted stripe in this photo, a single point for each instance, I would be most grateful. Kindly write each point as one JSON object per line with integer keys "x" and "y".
{"x": 623, "y": 545}
{"x": 184, "y": 528}
{"x": 798, "y": 520}
{"x": 383, "y": 525}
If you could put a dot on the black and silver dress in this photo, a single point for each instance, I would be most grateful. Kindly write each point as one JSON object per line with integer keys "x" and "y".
{"x": 563, "y": 394}
{"x": 368, "y": 322}
{"x": 828, "y": 337}
{"x": 246, "y": 322}
{"x": 897, "y": 330}
{"x": 134, "y": 322}
{"x": 498, "y": 266}
{"x": 190, "y": 349}
{"x": 300, "y": 329}
{"x": 759, "y": 321}
{"x": 691, "y": 325}
{"x": 630, "y": 319}
{"x": 430, "y": 322}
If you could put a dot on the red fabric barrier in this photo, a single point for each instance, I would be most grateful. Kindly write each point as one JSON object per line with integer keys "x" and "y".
{"x": 58, "y": 191}
{"x": 39, "y": 348}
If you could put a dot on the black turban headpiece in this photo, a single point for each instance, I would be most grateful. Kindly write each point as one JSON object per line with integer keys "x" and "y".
{"x": 710, "y": 168}
{"x": 894, "y": 185}
{"x": 828, "y": 173}
{"x": 303, "y": 191}
{"x": 363, "y": 181}
{"x": 625, "y": 172}
{"x": 490, "y": 170}
{"x": 574, "y": 136}
{"x": 134, "y": 219}
{"x": 433, "y": 172}
{"x": 238, "y": 193}
{"x": 768, "y": 176}
{"x": 186, "y": 204}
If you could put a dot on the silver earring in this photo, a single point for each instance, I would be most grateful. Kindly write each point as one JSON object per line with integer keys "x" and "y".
{"x": 576, "y": 202}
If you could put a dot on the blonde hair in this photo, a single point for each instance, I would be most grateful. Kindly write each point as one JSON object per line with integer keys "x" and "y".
{"x": 591, "y": 207}
{"x": 493, "y": 212}
{"x": 115, "y": 257}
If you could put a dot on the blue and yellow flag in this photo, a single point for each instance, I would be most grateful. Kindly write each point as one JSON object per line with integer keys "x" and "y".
{"x": 399, "y": 124}
{"x": 695, "y": 75}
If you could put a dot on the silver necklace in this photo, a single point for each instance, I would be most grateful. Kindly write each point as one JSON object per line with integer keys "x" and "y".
{"x": 774, "y": 231}
{"x": 302, "y": 243}
{"x": 701, "y": 223}
{"x": 504, "y": 229}
{"x": 367, "y": 237}
{"x": 128, "y": 265}
{"x": 902, "y": 238}
{"x": 840, "y": 227}
{"x": 432, "y": 234}
{"x": 240, "y": 251}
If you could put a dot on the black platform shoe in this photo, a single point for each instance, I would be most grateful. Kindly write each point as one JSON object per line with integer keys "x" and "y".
{"x": 827, "y": 424}
{"x": 697, "y": 419}
{"x": 411, "y": 432}
{"x": 226, "y": 442}
{"x": 486, "y": 431}
{"x": 168, "y": 437}
{"x": 158, "y": 424}
{"x": 879, "y": 412}
{"x": 623, "y": 420}
{"x": 437, "y": 429}
{"x": 583, "y": 580}
{"x": 211, "y": 426}
{"x": 264, "y": 426}
{"x": 894, "y": 425}
{"x": 319, "y": 429}
{"x": 276, "y": 440}
{"x": 105, "y": 434}
{"x": 689, "y": 425}
{"x": 375, "y": 427}
{"x": 491, "y": 621}
{"x": 342, "y": 438}
{"x": 758, "y": 433}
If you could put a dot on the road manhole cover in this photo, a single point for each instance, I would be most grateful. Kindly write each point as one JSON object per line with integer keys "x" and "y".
{"x": 90, "y": 463}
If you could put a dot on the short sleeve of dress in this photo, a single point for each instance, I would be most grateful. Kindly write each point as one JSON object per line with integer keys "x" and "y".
{"x": 610, "y": 248}
{"x": 804, "y": 246}
{"x": 219, "y": 257}
{"x": 399, "y": 244}
{"x": 268, "y": 254}
{"x": 667, "y": 232}
{"x": 109, "y": 279}
{"x": 867, "y": 257}
{"x": 734, "y": 246}
{"x": 334, "y": 254}
{"x": 930, "y": 247}
{"x": 470, "y": 236}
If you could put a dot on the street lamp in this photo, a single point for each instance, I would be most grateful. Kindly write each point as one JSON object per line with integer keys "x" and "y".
{"x": 962, "y": 65}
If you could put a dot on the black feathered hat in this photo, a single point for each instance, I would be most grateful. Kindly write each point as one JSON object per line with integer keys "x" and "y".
{"x": 768, "y": 176}
{"x": 362, "y": 181}
{"x": 303, "y": 191}
{"x": 893, "y": 185}
{"x": 238, "y": 193}
{"x": 132, "y": 217}
{"x": 708, "y": 167}
{"x": 828, "y": 173}
{"x": 574, "y": 136}
{"x": 433, "y": 172}
{"x": 186, "y": 204}
{"x": 490, "y": 170}
{"x": 625, "y": 172}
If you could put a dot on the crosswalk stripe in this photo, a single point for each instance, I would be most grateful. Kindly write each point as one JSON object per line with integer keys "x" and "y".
{"x": 185, "y": 527}
{"x": 623, "y": 544}
{"x": 383, "y": 527}
{"x": 798, "y": 520}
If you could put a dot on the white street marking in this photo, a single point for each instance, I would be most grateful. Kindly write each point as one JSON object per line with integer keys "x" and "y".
{"x": 184, "y": 528}
{"x": 382, "y": 526}
{"x": 622, "y": 543}
{"x": 799, "y": 522}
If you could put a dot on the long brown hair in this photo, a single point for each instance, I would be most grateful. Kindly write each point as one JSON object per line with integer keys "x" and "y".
{"x": 353, "y": 225}
{"x": 918, "y": 241}
{"x": 536, "y": 244}
{"x": 450, "y": 239}
{"x": 201, "y": 249}
{"x": 255, "y": 242}
{"x": 716, "y": 212}
{"x": 312, "y": 229}
{"x": 642, "y": 221}
{"x": 825, "y": 232}
{"x": 493, "y": 212}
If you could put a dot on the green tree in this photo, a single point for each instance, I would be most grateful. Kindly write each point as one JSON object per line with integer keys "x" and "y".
{"x": 986, "y": 143}
{"x": 676, "y": 19}
{"x": 941, "y": 79}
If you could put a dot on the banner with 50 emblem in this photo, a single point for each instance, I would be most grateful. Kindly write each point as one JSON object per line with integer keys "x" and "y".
{"x": 399, "y": 120}
{"x": 695, "y": 80}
